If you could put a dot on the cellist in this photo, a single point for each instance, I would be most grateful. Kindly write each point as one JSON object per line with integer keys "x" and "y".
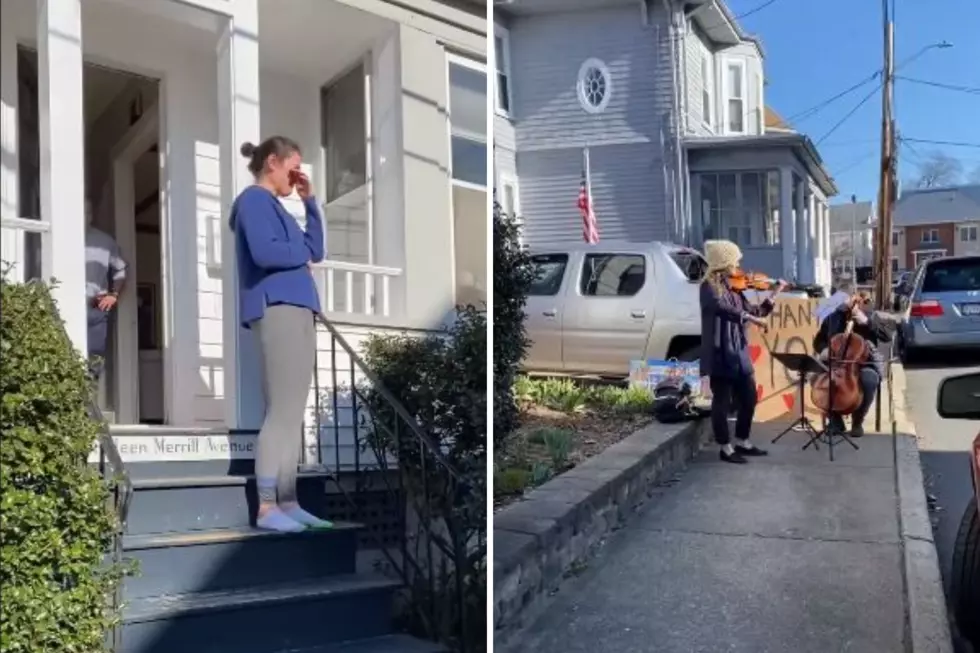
{"x": 873, "y": 327}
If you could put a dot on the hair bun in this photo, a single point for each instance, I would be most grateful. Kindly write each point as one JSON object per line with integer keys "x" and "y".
{"x": 248, "y": 149}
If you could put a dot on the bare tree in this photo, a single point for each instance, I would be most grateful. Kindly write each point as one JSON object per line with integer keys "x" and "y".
{"x": 936, "y": 170}
{"x": 975, "y": 175}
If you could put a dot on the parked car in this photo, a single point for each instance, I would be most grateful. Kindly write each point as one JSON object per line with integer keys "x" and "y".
{"x": 959, "y": 398}
{"x": 592, "y": 309}
{"x": 944, "y": 306}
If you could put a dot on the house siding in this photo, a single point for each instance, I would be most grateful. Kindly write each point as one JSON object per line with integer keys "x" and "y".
{"x": 964, "y": 247}
{"x": 625, "y": 140}
{"x": 913, "y": 241}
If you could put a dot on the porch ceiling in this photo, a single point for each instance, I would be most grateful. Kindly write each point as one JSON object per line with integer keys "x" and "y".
{"x": 316, "y": 39}
{"x": 799, "y": 145}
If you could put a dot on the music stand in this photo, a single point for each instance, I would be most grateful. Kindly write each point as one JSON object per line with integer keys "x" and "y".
{"x": 803, "y": 365}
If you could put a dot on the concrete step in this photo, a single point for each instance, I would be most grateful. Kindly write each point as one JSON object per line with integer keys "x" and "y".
{"x": 202, "y": 502}
{"x": 264, "y": 620}
{"x": 234, "y": 558}
{"x": 386, "y": 644}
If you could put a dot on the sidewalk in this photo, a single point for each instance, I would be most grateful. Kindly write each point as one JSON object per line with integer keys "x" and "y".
{"x": 788, "y": 553}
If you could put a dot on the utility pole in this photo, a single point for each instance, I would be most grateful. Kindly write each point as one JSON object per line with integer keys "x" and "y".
{"x": 886, "y": 190}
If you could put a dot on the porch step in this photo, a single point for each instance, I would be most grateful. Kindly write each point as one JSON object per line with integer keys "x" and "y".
{"x": 236, "y": 558}
{"x": 204, "y": 502}
{"x": 386, "y": 644}
{"x": 267, "y": 619}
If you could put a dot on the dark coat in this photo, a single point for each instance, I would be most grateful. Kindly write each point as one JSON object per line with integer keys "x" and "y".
{"x": 724, "y": 345}
{"x": 876, "y": 331}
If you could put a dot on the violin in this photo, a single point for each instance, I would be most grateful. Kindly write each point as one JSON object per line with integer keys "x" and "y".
{"x": 838, "y": 390}
{"x": 742, "y": 280}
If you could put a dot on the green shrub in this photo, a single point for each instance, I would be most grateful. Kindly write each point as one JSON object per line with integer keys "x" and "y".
{"x": 512, "y": 277}
{"x": 442, "y": 382}
{"x": 56, "y": 526}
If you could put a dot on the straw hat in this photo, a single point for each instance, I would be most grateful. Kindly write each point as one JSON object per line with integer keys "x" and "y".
{"x": 721, "y": 254}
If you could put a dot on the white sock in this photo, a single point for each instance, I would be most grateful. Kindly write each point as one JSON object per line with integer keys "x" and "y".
{"x": 299, "y": 515}
{"x": 276, "y": 520}
{"x": 728, "y": 449}
{"x": 745, "y": 444}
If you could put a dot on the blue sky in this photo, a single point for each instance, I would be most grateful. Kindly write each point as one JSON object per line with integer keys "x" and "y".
{"x": 816, "y": 49}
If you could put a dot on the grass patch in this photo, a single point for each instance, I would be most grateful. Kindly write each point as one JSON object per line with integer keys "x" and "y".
{"x": 563, "y": 422}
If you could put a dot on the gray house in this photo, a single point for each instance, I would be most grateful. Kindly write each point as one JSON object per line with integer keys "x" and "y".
{"x": 665, "y": 101}
{"x": 851, "y": 237}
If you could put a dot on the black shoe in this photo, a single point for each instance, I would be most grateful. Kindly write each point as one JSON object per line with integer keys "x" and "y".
{"x": 750, "y": 451}
{"x": 857, "y": 431}
{"x": 734, "y": 457}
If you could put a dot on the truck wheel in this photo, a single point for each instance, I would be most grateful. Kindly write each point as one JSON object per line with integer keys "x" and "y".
{"x": 965, "y": 586}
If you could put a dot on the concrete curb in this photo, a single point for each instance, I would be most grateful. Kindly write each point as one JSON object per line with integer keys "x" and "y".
{"x": 541, "y": 540}
{"x": 927, "y": 623}
{"x": 902, "y": 414}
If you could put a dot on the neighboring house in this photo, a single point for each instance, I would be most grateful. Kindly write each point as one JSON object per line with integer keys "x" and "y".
{"x": 669, "y": 100}
{"x": 851, "y": 236}
{"x": 934, "y": 222}
{"x": 144, "y": 105}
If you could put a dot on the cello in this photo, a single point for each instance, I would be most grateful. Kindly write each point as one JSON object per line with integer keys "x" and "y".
{"x": 838, "y": 390}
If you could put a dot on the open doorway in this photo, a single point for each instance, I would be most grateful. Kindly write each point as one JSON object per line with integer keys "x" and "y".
{"x": 122, "y": 182}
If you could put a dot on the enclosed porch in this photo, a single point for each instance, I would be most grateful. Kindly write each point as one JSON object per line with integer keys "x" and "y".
{"x": 741, "y": 187}
{"x": 404, "y": 210}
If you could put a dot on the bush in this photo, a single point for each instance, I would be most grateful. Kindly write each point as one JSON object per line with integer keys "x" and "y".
{"x": 512, "y": 277}
{"x": 442, "y": 382}
{"x": 56, "y": 525}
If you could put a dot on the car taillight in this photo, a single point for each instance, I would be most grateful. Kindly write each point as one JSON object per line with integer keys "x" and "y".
{"x": 926, "y": 308}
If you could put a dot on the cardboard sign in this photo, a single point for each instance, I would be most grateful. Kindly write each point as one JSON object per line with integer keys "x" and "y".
{"x": 648, "y": 373}
{"x": 792, "y": 326}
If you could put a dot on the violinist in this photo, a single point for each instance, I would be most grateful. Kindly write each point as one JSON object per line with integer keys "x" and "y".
{"x": 873, "y": 327}
{"x": 724, "y": 348}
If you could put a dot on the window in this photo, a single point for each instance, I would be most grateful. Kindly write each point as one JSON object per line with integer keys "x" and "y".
{"x": 930, "y": 235}
{"x": 894, "y": 265}
{"x": 707, "y": 85}
{"x": 549, "y": 271}
{"x": 895, "y": 237}
{"x": 735, "y": 96}
{"x": 468, "y": 162}
{"x": 954, "y": 275}
{"x": 742, "y": 207}
{"x": 691, "y": 263}
{"x": 594, "y": 85}
{"x": 509, "y": 199}
{"x": 501, "y": 55}
{"x": 968, "y": 234}
{"x": 613, "y": 275}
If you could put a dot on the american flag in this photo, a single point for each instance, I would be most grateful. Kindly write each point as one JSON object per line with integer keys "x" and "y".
{"x": 590, "y": 227}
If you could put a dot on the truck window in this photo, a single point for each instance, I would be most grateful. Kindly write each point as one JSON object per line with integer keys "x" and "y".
{"x": 690, "y": 263}
{"x": 613, "y": 275}
{"x": 549, "y": 270}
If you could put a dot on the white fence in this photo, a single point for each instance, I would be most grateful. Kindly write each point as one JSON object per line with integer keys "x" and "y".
{"x": 355, "y": 288}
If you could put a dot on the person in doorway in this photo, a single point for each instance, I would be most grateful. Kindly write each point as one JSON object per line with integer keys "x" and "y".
{"x": 724, "y": 350}
{"x": 874, "y": 326}
{"x": 105, "y": 276}
{"x": 278, "y": 300}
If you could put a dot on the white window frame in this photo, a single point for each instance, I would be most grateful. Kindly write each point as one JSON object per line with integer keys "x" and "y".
{"x": 931, "y": 239}
{"x": 601, "y": 66}
{"x": 503, "y": 68}
{"x": 966, "y": 229}
{"x": 507, "y": 179}
{"x": 730, "y": 62}
{"x": 707, "y": 86}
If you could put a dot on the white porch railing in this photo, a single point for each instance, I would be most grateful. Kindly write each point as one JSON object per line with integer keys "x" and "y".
{"x": 22, "y": 241}
{"x": 355, "y": 288}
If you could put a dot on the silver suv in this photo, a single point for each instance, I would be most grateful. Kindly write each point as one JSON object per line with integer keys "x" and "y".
{"x": 943, "y": 306}
{"x": 594, "y": 308}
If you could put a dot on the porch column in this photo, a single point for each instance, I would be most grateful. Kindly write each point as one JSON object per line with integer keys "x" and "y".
{"x": 787, "y": 232}
{"x": 238, "y": 121}
{"x": 12, "y": 240}
{"x": 801, "y": 229}
{"x": 62, "y": 147}
{"x": 810, "y": 261}
{"x": 826, "y": 245}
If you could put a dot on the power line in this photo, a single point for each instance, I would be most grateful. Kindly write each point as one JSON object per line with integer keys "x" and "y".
{"x": 757, "y": 9}
{"x": 849, "y": 114}
{"x": 947, "y": 143}
{"x": 973, "y": 90}
{"x": 803, "y": 115}
{"x": 852, "y": 164}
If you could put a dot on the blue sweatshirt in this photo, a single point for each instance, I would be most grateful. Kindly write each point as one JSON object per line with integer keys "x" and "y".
{"x": 273, "y": 253}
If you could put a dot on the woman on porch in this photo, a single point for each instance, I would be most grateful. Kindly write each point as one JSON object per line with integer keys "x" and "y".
{"x": 279, "y": 300}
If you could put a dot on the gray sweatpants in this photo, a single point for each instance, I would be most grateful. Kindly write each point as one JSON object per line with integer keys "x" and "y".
{"x": 287, "y": 338}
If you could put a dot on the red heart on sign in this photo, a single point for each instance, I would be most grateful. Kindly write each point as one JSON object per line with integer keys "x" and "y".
{"x": 758, "y": 392}
{"x": 789, "y": 399}
{"x": 754, "y": 352}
